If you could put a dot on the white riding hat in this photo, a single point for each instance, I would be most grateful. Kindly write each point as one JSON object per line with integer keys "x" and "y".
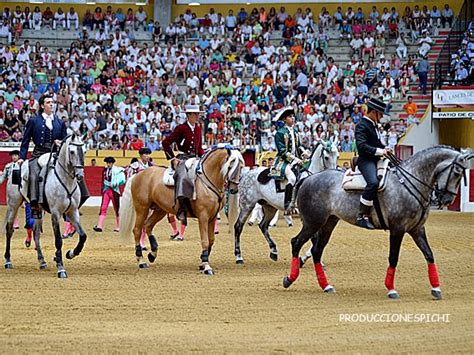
{"x": 193, "y": 109}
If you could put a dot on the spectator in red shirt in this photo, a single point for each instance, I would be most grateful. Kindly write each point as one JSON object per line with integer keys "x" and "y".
{"x": 136, "y": 143}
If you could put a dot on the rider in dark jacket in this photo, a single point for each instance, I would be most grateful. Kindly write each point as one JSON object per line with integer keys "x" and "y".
{"x": 370, "y": 150}
{"x": 46, "y": 130}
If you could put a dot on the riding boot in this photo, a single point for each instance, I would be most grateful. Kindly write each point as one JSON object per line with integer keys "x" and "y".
{"x": 363, "y": 218}
{"x": 181, "y": 215}
{"x": 288, "y": 198}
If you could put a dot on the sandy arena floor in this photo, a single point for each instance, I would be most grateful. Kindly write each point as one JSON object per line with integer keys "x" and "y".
{"x": 108, "y": 305}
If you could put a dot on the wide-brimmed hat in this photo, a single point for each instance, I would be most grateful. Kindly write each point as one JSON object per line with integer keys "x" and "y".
{"x": 376, "y": 105}
{"x": 284, "y": 113}
{"x": 14, "y": 152}
{"x": 193, "y": 109}
{"x": 109, "y": 160}
{"x": 144, "y": 151}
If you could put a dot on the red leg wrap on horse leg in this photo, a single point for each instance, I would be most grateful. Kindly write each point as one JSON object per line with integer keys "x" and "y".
{"x": 321, "y": 275}
{"x": 295, "y": 269}
{"x": 29, "y": 234}
{"x": 433, "y": 274}
{"x": 390, "y": 278}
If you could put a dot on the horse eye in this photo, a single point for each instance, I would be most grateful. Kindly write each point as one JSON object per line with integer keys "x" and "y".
{"x": 327, "y": 158}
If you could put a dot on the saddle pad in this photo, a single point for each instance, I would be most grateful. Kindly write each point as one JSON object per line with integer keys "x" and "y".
{"x": 354, "y": 180}
{"x": 191, "y": 167}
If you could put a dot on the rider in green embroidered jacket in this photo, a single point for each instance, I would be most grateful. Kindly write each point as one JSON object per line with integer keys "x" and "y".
{"x": 288, "y": 154}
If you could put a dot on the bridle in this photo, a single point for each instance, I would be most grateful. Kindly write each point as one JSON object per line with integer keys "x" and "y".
{"x": 405, "y": 178}
{"x": 220, "y": 193}
{"x": 80, "y": 153}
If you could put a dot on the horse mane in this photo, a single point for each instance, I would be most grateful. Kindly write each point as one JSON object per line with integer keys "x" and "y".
{"x": 423, "y": 152}
{"x": 229, "y": 167}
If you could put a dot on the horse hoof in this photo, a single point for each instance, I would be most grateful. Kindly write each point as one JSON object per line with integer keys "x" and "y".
{"x": 43, "y": 266}
{"x": 436, "y": 293}
{"x": 239, "y": 261}
{"x": 301, "y": 262}
{"x": 209, "y": 272}
{"x": 286, "y": 282}
{"x": 330, "y": 289}
{"x": 62, "y": 274}
{"x": 8, "y": 265}
{"x": 151, "y": 258}
{"x": 69, "y": 255}
{"x": 393, "y": 295}
{"x": 27, "y": 243}
{"x": 274, "y": 256}
{"x": 143, "y": 266}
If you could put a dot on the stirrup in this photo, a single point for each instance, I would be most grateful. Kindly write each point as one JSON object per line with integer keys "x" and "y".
{"x": 364, "y": 222}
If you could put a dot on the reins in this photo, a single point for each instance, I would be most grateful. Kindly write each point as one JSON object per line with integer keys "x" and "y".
{"x": 405, "y": 178}
{"x": 71, "y": 175}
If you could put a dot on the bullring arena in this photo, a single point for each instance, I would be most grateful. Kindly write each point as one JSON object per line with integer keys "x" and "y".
{"x": 122, "y": 78}
{"x": 108, "y": 305}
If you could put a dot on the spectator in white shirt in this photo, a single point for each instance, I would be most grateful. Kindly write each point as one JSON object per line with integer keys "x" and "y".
{"x": 356, "y": 45}
{"x": 140, "y": 19}
{"x": 59, "y": 19}
{"x": 72, "y": 19}
{"x": 425, "y": 44}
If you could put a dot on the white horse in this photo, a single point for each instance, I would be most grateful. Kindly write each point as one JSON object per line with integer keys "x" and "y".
{"x": 251, "y": 191}
{"x": 62, "y": 193}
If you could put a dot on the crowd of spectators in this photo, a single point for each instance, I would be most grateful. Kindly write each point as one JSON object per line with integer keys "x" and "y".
{"x": 462, "y": 63}
{"x": 120, "y": 94}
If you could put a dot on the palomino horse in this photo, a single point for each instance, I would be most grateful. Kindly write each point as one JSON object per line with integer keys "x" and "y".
{"x": 404, "y": 206}
{"x": 251, "y": 191}
{"x": 62, "y": 194}
{"x": 147, "y": 191}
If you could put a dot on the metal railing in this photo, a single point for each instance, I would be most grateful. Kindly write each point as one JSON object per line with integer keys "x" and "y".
{"x": 442, "y": 68}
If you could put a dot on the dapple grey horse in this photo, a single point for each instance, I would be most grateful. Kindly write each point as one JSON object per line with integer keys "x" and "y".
{"x": 404, "y": 206}
{"x": 62, "y": 194}
{"x": 323, "y": 156}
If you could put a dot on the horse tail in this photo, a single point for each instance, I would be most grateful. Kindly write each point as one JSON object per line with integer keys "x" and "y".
{"x": 127, "y": 212}
{"x": 233, "y": 212}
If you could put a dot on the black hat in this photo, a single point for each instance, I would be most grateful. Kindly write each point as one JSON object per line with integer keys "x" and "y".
{"x": 376, "y": 105}
{"x": 109, "y": 160}
{"x": 144, "y": 151}
{"x": 14, "y": 152}
{"x": 284, "y": 113}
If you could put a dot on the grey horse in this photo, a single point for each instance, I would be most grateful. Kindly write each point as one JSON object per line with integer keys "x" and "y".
{"x": 14, "y": 201}
{"x": 405, "y": 205}
{"x": 63, "y": 196}
{"x": 323, "y": 156}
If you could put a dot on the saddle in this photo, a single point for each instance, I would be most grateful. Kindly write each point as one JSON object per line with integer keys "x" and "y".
{"x": 42, "y": 161}
{"x": 265, "y": 176}
{"x": 354, "y": 180}
{"x": 191, "y": 169}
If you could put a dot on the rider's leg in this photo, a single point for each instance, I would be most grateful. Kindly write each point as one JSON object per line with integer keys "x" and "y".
{"x": 289, "y": 197}
{"x": 34, "y": 171}
{"x": 116, "y": 205}
{"x": 368, "y": 168}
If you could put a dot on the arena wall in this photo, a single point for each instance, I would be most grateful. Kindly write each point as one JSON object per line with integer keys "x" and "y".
{"x": 457, "y": 133}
